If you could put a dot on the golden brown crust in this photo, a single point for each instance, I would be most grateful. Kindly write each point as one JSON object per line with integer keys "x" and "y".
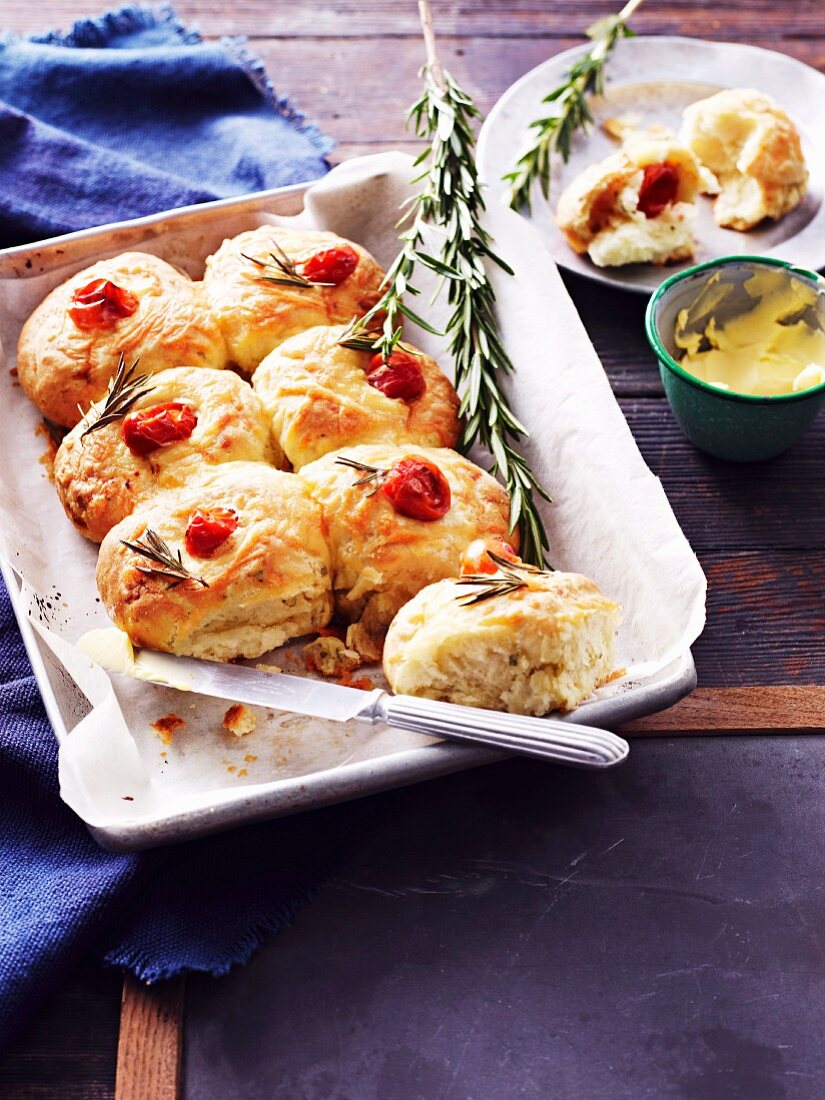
{"x": 61, "y": 366}
{"x": 256, "y": 316}
{"x": 380, "y": 558}
{"x": 754, "y": 150}
{"x": 100, "y": 481}
{"x": 318, "y": 397}
{"x": 269, "y": 582}
{"x": 530, "y": 651}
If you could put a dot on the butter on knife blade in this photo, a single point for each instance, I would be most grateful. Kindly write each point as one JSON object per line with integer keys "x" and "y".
{"x": 113, "y": 649}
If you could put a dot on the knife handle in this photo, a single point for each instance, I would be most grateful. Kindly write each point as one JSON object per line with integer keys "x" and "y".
{"x": 545, "y": 738}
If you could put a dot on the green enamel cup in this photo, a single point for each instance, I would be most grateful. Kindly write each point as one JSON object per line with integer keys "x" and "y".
{"x": 735, "y": 426}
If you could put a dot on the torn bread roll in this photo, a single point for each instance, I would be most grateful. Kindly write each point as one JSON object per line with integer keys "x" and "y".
{"x": 546, "y": 645}
{"x": 753, "y": 149}
{"x": 636, "y": 206}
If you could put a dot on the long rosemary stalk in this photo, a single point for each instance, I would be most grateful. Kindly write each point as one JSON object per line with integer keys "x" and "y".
{"x": 444, "y": 117}
{"x": 570, "y": 111}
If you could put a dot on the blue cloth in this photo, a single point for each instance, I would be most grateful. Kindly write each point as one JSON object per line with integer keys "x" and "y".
{"x": 127, "y": 115}
{"x": 132, "y": 113}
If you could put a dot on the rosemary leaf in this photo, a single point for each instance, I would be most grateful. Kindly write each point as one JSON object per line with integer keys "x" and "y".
{"x": 554, "y": 131}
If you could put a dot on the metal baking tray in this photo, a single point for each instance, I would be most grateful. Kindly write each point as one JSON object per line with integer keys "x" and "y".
{"x": 65, "y": 705}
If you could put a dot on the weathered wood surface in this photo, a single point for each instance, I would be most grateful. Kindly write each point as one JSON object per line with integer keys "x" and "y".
{"x": 468, "y": 18}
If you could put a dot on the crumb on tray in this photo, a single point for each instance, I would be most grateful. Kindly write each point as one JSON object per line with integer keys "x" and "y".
{"x": 329, "y": 655}
{"x": 239, "y": 720}
{"x": 167, "y": 726}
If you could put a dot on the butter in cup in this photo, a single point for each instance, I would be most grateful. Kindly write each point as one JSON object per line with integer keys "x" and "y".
{"x": 727, "y": 423}
{"x": 769, "y": 343}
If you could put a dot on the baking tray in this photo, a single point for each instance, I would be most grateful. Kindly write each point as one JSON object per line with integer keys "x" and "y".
{"x": 66, "y": 706}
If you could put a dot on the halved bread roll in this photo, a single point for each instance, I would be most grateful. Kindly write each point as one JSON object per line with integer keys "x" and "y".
{"x": 635, "y": 206}
{"x": 753, "y": 149}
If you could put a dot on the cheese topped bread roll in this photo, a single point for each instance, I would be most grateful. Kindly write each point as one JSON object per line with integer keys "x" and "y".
{"x": 398, "y": 518}
{"x": 528, "y": 650}
{"x": 254, "y": 560}
{"x": 186, "y": 419}
{"x": 635, "y": 206}
{"x": 134, "y": 305}
{"x": 322, "y": 397}
{"x": 753, "y": 149}
{"x": 258, "y": 304}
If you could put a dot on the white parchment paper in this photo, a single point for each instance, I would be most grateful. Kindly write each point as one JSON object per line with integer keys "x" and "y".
{"x": 610, "y": 519}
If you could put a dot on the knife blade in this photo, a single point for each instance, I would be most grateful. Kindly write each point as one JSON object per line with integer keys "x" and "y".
{"x": 278, "y": 690}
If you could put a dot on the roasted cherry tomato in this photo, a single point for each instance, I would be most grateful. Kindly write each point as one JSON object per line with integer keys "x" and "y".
{"x": 477, "y": 561}
{"x": 101, "y": 304}
{"x": 399, "y": 377}
{"x": 418, "y": 489}
{"x": 147, "y": 430}
{"x": 208, "y": 529}
{"x": 659, "y": 189}
{"x": 330, "y": 265}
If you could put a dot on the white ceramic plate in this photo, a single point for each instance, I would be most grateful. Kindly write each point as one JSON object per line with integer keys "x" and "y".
{"x": 656, "y": 77}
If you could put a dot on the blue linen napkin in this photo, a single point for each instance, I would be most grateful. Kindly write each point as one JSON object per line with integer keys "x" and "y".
{"x": 127, "y": 115}
{"x": 132, "y": 113}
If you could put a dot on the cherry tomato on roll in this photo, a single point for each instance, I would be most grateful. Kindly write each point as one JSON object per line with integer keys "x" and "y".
{"x": 208, "y": 529}
{"x": 147, "y": 430}
{"x": 330, "y": 265}
{"x": 101, "y": 304}
{"x": 399, "y": 377}
{"x": 476, "y": 560}
{"x": 659, "y": 189}
{"x": 418, "y": 489}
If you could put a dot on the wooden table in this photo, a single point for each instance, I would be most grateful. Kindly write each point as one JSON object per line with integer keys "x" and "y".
{"x": 759, "y": 531}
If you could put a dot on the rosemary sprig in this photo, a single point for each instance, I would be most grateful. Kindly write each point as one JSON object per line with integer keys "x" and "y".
{"x": 452, "y": 201}
{"x": 124, "y": 390}
{"x": 570, "y": 110}
{"x": 287, "y": 272}
{"x": 370, "y": 473}
{"x": 379, "y": 329}
{"x": 166, "y": 562}
{"x": 507, "y": 579}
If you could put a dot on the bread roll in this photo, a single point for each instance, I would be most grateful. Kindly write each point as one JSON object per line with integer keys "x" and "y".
{"x": 543, "y": 647}
{"x": 322, "y": 397}
{"x": 381, "y": 557}
{"x": 100, "y": 479}
{"x": 267, "y": 578}
{"x": 256, "y": 315}
{"x": 67, "y": 352}
{"x": 753, "y": 149}
{"x": 635, "y": 206}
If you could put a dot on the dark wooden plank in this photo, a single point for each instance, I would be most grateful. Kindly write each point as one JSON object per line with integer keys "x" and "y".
{"x": 70, "y": 1048}
{"x": 766, "y": 618}
{"x": 478, "y": 18}
{"x": 150, "y": 1050}
{"x": 738, "y": 710}
{"x": 734, "y": 506}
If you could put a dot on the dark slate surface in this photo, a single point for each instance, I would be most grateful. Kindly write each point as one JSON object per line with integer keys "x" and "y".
{"x": 524, "y": 931}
